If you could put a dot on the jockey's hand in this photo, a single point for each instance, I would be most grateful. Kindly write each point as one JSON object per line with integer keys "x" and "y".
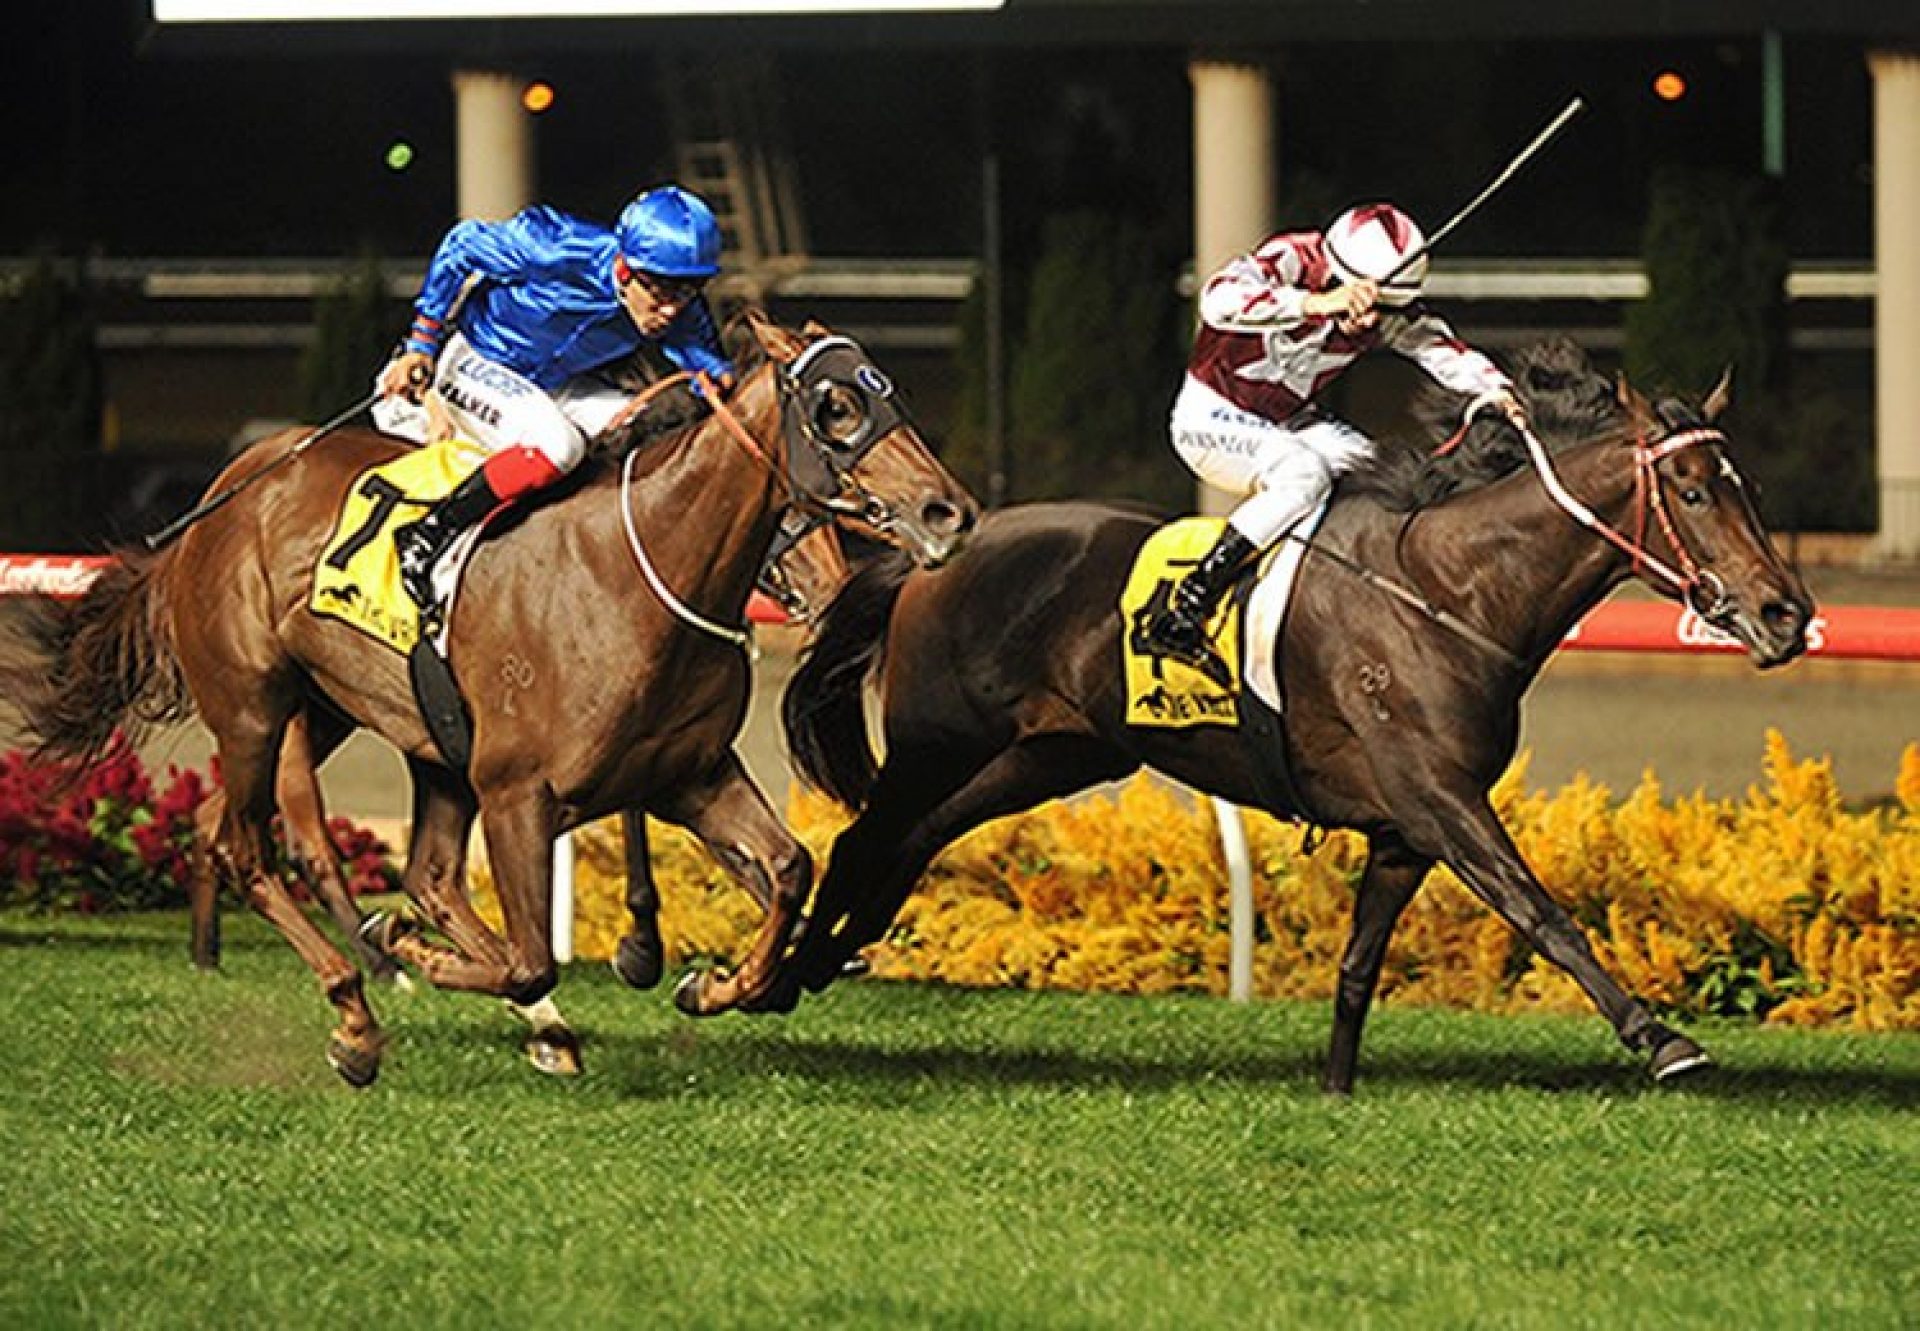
{"x": 1509, "y": 406}
{"x": 407, "y": 375}
{"x": 1353, "y": 304}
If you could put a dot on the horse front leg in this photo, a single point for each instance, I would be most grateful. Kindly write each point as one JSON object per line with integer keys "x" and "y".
{"x": 1477, "y": 848}
{"x": 738, "y": 827}
{"x": 435, "y": 880}
{"x": 641, "y": 958}
{"x": 1393, "y": 874}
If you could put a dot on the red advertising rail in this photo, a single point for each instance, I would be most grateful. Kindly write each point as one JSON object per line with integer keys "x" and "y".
{"x": 68, "y": 575}
{"x": 1842, "y": 632}
{"x": 1847, "y": 632}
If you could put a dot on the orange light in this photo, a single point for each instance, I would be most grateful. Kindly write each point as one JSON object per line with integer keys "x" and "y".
{"x": 1669, "y": 86}
{"x": 537, "y": 97}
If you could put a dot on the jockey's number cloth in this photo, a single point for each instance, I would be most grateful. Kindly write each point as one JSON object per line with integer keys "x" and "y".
{"x": 1162, "y": 691}
{"x": 357, "y": 580}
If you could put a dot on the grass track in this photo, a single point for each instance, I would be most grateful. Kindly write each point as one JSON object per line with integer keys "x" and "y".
{"x": 897, "y": 1156}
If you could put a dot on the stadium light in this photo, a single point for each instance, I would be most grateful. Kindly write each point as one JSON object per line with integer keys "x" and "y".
{"x": 537, "y": 96}
{"x": 1669, "y": 86}
{"x": 316, "y": 11}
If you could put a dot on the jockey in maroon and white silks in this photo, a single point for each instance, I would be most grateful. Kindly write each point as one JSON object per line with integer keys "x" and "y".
{"x": 1278, "y": 325}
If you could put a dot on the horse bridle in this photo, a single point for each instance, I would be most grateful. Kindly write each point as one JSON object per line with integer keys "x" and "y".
{"x": 1700, "y": 588}
{"x": 822, "y": 473}
{"x": 819, "y": 472}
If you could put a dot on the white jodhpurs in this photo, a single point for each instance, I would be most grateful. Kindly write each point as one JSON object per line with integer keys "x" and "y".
{"x": 1285, "y": 469}
{"x": 498, "y": 408}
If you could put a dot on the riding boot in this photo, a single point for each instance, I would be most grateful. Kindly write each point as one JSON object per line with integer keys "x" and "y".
{"x": 1181, "y": 629}
{"x": 420, "y": 544}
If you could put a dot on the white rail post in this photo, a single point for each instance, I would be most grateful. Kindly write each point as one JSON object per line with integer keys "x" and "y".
{"x": 1233, "y": 844}
{"x": 563, "y": 897}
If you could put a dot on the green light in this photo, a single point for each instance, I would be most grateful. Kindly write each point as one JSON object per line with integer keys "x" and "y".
{"x": 400, "y": 156}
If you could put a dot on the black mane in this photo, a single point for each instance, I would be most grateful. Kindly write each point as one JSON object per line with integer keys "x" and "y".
{"x": 1567, "y": 399}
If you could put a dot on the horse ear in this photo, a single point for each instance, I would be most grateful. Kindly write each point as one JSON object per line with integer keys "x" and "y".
{"x": 1629, "y": 398}
{"x": 814, "y": 328}
{"x": 779, "y": 344}
{"x": 1720, "y": 398}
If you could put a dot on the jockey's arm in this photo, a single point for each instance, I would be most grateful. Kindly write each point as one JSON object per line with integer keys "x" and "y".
{"x": 692, "y": 342}
{"x": 1426, "y": 339}
{"x": 1268, "y": 289}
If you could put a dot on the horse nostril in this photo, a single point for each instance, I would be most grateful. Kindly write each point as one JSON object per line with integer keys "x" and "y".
{"x": 944, "y": 518}
{"x": 1786, "y": 618}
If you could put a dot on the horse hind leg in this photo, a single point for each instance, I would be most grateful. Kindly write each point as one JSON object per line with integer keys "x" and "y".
{"x": 310, "y": 739}
{"x": 1392, "y": 875}
{"x": 240, "y": 854}
{"x": 908, "y": 821}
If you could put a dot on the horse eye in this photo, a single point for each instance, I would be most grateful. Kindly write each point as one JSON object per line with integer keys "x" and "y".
{"x": 838, "y": 417}
{"x": 1693, "y": 496}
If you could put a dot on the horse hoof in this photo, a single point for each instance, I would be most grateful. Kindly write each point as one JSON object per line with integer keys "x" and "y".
{"x": 357, "y": 1064}
{"x": 638, "y": 964}
{"x": 554, "y": 1053}
{"x": 782, "y": 996}
{"x": 1677, "y": 1056}
{"x": 690, "y": 994}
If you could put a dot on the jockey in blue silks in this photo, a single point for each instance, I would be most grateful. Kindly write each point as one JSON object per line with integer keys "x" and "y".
{"x": 512, "y": 322}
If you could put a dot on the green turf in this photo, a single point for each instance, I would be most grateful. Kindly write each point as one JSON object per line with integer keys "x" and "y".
{"x": 178, "y": 1154}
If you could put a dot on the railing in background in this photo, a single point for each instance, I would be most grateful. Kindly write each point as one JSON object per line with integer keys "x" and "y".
{"x": 1842, "y": 633}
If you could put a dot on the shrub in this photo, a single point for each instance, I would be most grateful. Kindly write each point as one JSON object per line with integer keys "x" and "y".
{"x": 107, "y": 841}
{"x": 1785, "y": 906}
{"x": 110, "y": 839}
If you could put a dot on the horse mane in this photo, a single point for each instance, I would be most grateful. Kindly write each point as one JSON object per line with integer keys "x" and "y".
{"x": 678, "y": 409}
{"x": 1567, "y": 400}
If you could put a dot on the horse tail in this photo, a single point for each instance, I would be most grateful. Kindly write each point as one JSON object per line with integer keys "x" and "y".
{"x": 823, "y": 708}
{"x": 78, "y": 671}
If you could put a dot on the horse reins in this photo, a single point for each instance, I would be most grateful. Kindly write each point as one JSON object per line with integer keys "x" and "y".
{"x": 1690, "y": 580}
{"x": 1685, "y": 582}
{"x": 742, "y": 638}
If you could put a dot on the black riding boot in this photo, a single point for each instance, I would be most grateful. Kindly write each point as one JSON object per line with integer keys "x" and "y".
{"x": 1181, "y": 630}
{"x": 420, "y": 544}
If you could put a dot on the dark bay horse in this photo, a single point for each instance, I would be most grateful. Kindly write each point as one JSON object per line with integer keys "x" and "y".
{"x": 590, "y": 693}
{"x": 1414, "y": 632}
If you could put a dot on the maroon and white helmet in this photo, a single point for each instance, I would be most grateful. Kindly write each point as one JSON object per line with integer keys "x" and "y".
{"x": 1373, "y": 240}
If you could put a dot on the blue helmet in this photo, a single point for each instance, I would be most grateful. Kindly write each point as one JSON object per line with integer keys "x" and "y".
{"x": 670, "y": 232}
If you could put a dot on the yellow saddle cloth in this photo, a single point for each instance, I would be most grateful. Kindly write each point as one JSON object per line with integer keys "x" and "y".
{"x": 357, "y": 580}
{"x": 1162, "y": 691}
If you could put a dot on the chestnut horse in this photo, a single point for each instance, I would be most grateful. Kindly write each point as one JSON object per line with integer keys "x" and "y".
{"x": 1411, "y": 638}
{"x": 592, "y": 689}
{"x": 805, "y": 571}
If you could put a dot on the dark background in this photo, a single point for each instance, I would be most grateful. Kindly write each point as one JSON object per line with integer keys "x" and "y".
{"x": 120, "y": 144}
